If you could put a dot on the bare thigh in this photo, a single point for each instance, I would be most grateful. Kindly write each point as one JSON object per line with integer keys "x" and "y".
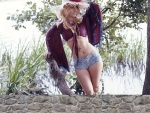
{"x": 95, "y": 73}
{"x": 85, "y": 81}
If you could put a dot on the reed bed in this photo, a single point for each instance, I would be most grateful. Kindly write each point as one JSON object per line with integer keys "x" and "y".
{"x": 22, "y": 65}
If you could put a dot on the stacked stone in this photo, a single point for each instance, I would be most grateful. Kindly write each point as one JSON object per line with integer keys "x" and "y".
{"x": 74, "y": 104}
{"x": 126, "y": 104}
{"x": 50, "y": 104}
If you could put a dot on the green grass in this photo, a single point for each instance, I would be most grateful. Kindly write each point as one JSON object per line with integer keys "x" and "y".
{"x": 133, "y": 52}
{"x": 23, "y": 67}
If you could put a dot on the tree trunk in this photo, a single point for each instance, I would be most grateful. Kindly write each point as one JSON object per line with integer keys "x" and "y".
{"x": 146, "y": 87}
{"x": 59, "y": 77}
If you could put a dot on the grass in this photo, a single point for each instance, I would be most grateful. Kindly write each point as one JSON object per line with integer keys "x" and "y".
{"x": 23, "y": 67}
{"x": 132, "y": 52}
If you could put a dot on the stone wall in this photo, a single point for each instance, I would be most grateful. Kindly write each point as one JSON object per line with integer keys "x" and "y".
{"x": 74, "y": 104}
{"x": 126, "y": 104}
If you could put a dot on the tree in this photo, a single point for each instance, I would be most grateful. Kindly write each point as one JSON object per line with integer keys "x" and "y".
{"x": 146, "y": 87}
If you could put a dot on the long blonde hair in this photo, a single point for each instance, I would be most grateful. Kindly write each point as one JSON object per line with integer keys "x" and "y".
{"x": 64, "y": 12}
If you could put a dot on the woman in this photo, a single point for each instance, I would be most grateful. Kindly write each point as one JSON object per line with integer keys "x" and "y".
{"x": 82, "y": 32}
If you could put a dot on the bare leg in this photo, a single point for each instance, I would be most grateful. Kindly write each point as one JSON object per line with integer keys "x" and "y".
{"x": 95, "y": 73}
{"x": 85, "y": 81}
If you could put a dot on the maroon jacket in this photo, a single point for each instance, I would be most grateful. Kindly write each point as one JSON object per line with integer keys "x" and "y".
{"x": 90, "y": 26}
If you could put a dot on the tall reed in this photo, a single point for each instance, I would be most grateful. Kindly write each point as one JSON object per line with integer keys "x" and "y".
{"x": 22, "y": 69}
{"x": 132, "y": 52}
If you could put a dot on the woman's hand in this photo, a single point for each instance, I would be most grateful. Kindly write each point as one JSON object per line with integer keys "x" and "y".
{"x": 48, "y": 55}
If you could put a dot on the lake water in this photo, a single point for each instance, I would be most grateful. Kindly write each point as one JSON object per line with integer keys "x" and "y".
{"x": 124, "y": 82}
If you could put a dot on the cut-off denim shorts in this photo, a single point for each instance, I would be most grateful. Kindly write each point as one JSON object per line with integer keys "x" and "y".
{"x": 86, "y": 62}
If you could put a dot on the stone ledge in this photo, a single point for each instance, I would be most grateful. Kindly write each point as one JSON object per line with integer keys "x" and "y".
{"x": 74, "y": 104}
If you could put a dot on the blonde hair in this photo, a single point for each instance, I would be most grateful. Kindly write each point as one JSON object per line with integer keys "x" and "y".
{"x": 64, "y": 12}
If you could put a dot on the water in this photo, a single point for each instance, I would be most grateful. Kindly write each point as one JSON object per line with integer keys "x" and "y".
{"x": 123, "y": 81}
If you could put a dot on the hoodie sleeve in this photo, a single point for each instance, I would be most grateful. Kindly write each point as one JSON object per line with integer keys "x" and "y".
{"x": 55, "y": 46}
{"x": 93, "y": 21}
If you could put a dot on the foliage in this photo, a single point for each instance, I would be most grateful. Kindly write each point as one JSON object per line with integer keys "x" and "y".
{"x": 135, "y": 10}
{"x": 132, "y": 52}
{"x": 131, "y": 12}
{"x": 116, "y": 20}
{"x": 23, "y": 67}
{"x": 42, "y": 17}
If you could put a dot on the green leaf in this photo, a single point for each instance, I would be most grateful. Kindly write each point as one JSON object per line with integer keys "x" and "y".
{"x": 34, "y": 6}
{"x": 8, "y": 18}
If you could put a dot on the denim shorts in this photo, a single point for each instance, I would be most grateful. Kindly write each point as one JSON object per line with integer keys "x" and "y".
{"x": 86, "y": 62}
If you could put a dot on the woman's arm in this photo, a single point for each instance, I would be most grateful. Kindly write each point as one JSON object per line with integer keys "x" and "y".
{"x": 51, "y": 34}
{"x": 55, "y": 46}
